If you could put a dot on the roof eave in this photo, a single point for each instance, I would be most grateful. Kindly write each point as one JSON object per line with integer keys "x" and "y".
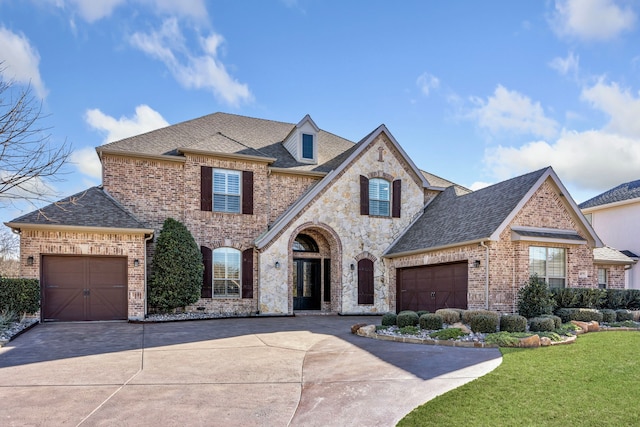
{"x": 232, "y": 156}
{"x": 611, "y": 205}
{"x": 85, "y": 229}
{"x": 435, "y": 248}
{"x": 298, "y": 172}
{"x": 139, "y": 155}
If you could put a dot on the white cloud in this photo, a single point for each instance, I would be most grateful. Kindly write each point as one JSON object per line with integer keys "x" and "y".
{"x": 145, "y": 119}
{"x": 426, "y": 82}
{"x": 590, "y": 160}
{"x": 192, "y": 70}
{"x": 20, "y": 61}
{"x": 87, "y": 162}
{"x": 512, "y": 112}
{"x": 591, "y": 19}
{"x": 95, "y": 10}
{"x": 568, "y": 65}
{"x": 478, "y": 185}
{"x": 620, "y": 104}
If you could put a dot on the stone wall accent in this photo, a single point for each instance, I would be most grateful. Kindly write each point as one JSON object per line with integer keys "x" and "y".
{"x": 337, "y": 208}
{"x": 41, "y": 242}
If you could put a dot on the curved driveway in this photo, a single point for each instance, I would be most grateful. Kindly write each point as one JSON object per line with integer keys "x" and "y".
{"x": 290, "y": 371}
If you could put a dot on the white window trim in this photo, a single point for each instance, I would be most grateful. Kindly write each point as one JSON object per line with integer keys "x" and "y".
{"x": 213, "y": 191}
{"x": 301, "y": 158}
{"x": 226, "y": 278}
{"x": 546, "y": 276}
{"x": 389, "y": 201}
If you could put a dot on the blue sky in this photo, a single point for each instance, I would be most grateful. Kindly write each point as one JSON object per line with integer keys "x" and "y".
{"x": 475, "y": 92}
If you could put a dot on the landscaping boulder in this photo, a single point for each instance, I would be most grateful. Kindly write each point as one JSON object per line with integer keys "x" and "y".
{"x": 530, "y": 342}
{"x": 594, "y": 326}
{"x": 356, "y": 327}
{"x": 545, "y": 341}
{"x": 582, "y": 325}
{"x": 465, "y": 330}
{"x": 367, "y": 331}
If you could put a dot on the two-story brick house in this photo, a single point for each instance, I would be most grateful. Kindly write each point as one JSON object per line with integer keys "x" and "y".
{"x": 292, "y": 218}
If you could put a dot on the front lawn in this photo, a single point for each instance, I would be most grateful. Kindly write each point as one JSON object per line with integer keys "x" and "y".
{"x": 594, "y": 382}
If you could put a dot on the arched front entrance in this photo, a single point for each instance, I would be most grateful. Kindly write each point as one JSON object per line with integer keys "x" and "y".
{"x": 314, "y": 279}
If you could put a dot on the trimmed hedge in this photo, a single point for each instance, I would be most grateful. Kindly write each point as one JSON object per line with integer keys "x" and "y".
{"x": 541, "y": 324}
{"x": 608, "y": 315}
{"x": 19, "y": 295}
{"x": 557, "y": 321}
{"x": 389, "y": 319}
{"x": 622, "y": 298}
{"x": 535, "y": 299}
{"x": 449, "y": 315}
{"x": 579, "y": 297}
{"x": 407, "y": 318}
{"x": 580, "y": 314}
{"x": 513, "y": 323}
{"x": 622, "y": 315}
{"x": 430, "y": 321}
{"x": 485, "y": 323}
{"x": 421, "y": 312}
{"x": 467, "y": 316}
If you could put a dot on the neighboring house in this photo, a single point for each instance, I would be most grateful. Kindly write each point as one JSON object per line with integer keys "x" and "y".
{"x": 615, "y": 215}
{"x": 291, "y": 218}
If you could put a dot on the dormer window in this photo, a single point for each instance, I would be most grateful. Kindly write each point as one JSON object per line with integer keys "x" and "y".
{"x": 307, "y": 146}
{"x": 302, "y": 141}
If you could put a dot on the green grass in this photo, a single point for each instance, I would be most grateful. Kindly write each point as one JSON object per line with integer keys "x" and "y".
{"x": 594, "y": 382}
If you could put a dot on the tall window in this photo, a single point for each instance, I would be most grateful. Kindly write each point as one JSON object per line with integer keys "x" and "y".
{"x": 365, "y": 281}
{"x": 603, "y": 278}
{"x": 226, "y": 272}
{"x": 226, "y": 190}
{"x": 307, "y": 146}
{"x": 379, "y": 196}
{"x": 549, "y": 264}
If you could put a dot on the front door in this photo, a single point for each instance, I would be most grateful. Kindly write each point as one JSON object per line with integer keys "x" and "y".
{"x": 306, "y": 284}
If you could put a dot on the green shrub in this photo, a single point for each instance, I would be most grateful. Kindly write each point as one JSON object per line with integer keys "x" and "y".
{"x": 623, "y": 298}
{"x": 608, "y": 315}
{"x": 565, "y": 314}
{"x": 622, "y": 315}
{"x": 535, "y": 299}
{"x": 382, "y": 327}
{"x": 587, "y": 315}
{"x": 447, "y": 334}
{"x": 625, "y": 324}
{"x": 421, "y": 312}
{"x": 552, "y": 335}
{"x": 431, "y": 321}
{"x": 449, "y": 316}
{"x": 19, "y": 295}
{"x": 557, "y": 321}
{"x": 409, "y": 330}
{"x": 389, "y": 319}
{"x": 513, "y": 323}
{"x": 506, "y": 339}
{"x": 407, "y": 318}
{"x": 484, "y": 323}
{"x": 176, "y": 271}
{"x": 579, "y": 297}
{"x": 468, "y": 315}
{"x": 567, "y": 329}
{"x": 541, "y": 324}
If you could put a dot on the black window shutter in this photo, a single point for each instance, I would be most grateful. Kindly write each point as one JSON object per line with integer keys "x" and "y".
{"x": 327, "y": 280}
{"x": 397, "y": 198}
{"x": 206, "y": 188}
{"x": 208, "y": 270}
{"x": 247, "y": 273}
{"x": 247, "y": 192}
{"x": 365, "y": 281}
{"x": 364, "y": 195}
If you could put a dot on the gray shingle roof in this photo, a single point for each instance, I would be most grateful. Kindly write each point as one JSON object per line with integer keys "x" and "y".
{"x": 626, "y": 191}
{"x": 89, "y": 208}
{"x": 436, "y": 181}
{"x": 234, "y": 134}
{"x": 550, "y": 235}
{"x": 451, "y": 218}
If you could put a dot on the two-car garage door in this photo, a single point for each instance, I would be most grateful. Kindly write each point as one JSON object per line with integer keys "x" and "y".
{"x": 84, "y": 288}
{"x": 432, "y": 287}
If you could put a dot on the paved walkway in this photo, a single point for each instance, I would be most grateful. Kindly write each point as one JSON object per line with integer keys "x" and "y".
{"x": 301, "y": 371}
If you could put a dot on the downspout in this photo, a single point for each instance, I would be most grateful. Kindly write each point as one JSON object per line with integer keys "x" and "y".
{"x": 146, "y": 240}
{"x": 486, "y": 279}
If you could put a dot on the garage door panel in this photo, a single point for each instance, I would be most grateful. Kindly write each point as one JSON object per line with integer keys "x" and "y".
{"x": 432, "y": 287}
{"x": 84, "y": 288}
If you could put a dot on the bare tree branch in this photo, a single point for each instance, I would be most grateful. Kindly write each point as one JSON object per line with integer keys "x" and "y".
{"x": 28, "y": 159}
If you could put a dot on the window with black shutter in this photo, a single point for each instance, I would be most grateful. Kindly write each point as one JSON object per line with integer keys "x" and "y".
{"x": 207, "y": 275}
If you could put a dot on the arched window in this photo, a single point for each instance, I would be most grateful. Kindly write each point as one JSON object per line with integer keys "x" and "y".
{"x": 379, "y": 196}
{"x": 226, "y": 272}
{"x": 304, "y": 243}
{"x": 365, "y": 281}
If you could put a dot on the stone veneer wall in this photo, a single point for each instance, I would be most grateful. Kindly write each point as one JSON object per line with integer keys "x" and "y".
{"x": 337, "y": 210}
{"x": 41, "y": 242}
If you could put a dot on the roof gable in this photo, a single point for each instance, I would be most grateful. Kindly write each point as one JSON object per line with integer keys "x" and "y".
{"x": 455, "y": 218}
{"x": 92, "y": 208}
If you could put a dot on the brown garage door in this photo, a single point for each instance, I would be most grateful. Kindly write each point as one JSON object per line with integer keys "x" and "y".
{"x": 84, "y": 288}
{"x": 432, "y": 287}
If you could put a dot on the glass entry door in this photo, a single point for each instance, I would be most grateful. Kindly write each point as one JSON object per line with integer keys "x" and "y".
{"x": 306, "y": 284}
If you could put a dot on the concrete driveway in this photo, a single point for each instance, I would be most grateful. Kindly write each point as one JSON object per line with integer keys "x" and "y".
{"x": 297, "y": 371}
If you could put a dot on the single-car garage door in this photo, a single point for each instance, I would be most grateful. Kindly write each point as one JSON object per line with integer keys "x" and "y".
{"x": 432, "y": 287}
{"x": 84, "y": 288}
